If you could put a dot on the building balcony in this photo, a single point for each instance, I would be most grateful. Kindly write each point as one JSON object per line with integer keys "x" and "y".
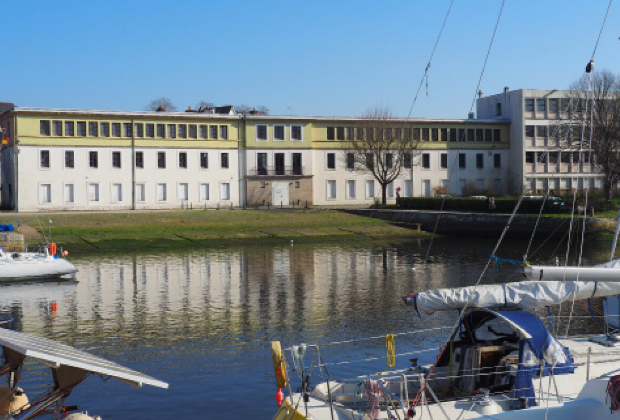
{"x": 278, "y": 171}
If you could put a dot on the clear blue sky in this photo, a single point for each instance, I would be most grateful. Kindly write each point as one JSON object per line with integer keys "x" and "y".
{"x": 306, "y": 58}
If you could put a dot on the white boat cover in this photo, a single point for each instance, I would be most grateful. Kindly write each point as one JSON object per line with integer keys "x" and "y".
{"x": 520, "y": 295}
{"x": 610, "y": 271}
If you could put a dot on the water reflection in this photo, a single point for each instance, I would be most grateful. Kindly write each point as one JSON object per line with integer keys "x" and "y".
{"x": 203, "y": 320}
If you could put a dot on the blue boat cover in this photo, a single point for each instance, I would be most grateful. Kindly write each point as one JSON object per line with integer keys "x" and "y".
{"x": 6, "y": 228}
{"x": 542, "y": 345}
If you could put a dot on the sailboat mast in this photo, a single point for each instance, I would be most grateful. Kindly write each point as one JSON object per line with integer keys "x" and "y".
{"x": 613, "y": 245}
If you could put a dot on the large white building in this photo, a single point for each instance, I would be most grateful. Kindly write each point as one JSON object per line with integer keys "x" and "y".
{"x": 60, "y": 159}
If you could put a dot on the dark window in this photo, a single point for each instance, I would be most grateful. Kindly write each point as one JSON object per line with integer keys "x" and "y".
{"x": 139, "y": 130}
{"x": 140, "y": 159}
{"x": 45, "y": 127}
{"x": 116, "y": 129}
{"x": 407, "y": 134}
{"x": 203, "y": 131}
{"x": 553, "y": 157}
{"x": 416, "y": 134}
{"x": 565, "y": 105}
{"x": 541, "y": 131}
{"x": 565, "y": 157}
{"x": 426, "y": 161}
{"x": 161, "y": 160}
{"x": 470, "y": 134}
{"x": 45, "y": 158}
{"x": 213, "y": 132}
{"x": 435, "y": 134}
{"x": 497, "y": 161}
{"x": 389, "y": 160}
{"x": 541, "y": 105}
{"x": 224, "y": 157}
{"x": 261, "y": 132}
{"x": 444, "y": 134}
{"x": 278, "y": 132}
{"x": 529, "y": 131}
{"x": 462, "y": 134}
{"x": 172, "y": 131}
{"x": 279, "y": 163}
{"x": 478, "y": 134}
{"x": 398, "y": 132}
{"x": 340, "y": 133}
{"x": 444, "y": 160}
{"x": 224, "y": 132}
{"x": 161, "y": 130}
{"x": 204, "y": 160}
{"x": 479, "y": 160}
{"x": 182, "y": 131}
{"x": 350, "y": 161}
{"x": 529, "y": 157}
{"x": 331, "y": 161}
{"x": 529, "y": 104}
{"x": 453, "y": 134}
{"x": 297, "y": 167}
{"x": 497, "y": 135}
{"x": 350, "y": 133}
{"x": 128, "y": 129}
{"x": 541, "y": 157}
{"x": 407, "y": 160}
{"x": 182, "y": 160}
{"x": 330, "y": 133}
{"x": 488, "y": 134}
{"x": 261, "y": 163}
{"x": 105, "y": 129}
{"x": 296, "y": 132}
{"x": 370, "y": 133}
{"x": 69, "y": 159}
{"x": 69, "y": 128}
{"x": 81, "y": 128}
{"x": 116, "y": 159}
{"x": 93, "y": 159}
{"x": 425, "y": 134}
{"x": 462, "y": 162}
{"x": 370, "y": 161}
{"x": 193, "y": 131}
{"x": 553, "y": 105}
{"x": 150, "y": 130}
{"x": 498, "y": 109}
{"x": 57, "y": 128}
{"x": 93, "y": 129}
{"x": 360, "y": 133}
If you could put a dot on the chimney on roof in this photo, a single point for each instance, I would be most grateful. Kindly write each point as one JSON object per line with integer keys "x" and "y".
{"x": 506, "y": 89}
{"x": 480, "y": 93}
{"x": 254, "y": 111}
{"x": 189, "y": 109}
{"x": 160, "y": 109}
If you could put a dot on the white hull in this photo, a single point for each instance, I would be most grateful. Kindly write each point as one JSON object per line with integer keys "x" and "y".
{"x": 31, "y": 265}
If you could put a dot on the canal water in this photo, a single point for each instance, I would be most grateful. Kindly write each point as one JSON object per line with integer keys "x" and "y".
{"x": 203, "y": 320}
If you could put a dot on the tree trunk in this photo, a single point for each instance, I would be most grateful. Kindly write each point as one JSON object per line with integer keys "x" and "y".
{"x": 608, "y": 189}
{"x": 384, "y": 194}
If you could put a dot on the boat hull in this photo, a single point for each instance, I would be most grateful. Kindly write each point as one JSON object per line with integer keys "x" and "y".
{"x": 29, "y": 266}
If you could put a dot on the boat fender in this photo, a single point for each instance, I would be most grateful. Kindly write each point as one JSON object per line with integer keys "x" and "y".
{"x": 81, "y": 416}
{"x": 52, "y": 248}
{"x": 279, "y": 364}
{"x": 613, "y": 392}
{"x": 12, "y": 400}
{"x": 65, "y": 253}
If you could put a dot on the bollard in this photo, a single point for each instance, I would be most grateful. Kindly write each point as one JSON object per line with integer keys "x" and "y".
{"x": 205, "y": 206}
{"x": 280, "y": 204}
{"x": 231, "y": 206}
{"x": 218, "y": 206}
{"x": 306, "y": 203}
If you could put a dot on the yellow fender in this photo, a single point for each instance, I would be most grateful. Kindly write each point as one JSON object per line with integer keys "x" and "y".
{"x": 391, "y": 351}
{"x": 288, "y": 413}
{"x": 279, "y": 364}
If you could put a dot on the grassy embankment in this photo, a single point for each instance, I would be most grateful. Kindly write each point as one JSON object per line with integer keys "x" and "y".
{"x": 84, "y": 232}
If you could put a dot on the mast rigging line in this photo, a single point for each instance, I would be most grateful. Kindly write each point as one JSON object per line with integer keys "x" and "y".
{"x": 486, "y": 59}
{"x": 428, "y": 65}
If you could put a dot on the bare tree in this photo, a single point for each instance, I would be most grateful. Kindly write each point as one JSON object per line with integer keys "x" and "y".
{"x": 161, "y": 103}
{"x": 262, "y": 110}
{"x": 381, "y": 145}
{"x": 243, "y": 109}
{"x": 601, "y": 117}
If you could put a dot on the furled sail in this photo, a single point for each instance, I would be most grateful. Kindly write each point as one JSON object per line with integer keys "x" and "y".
{"x": 609, "y": 271}
{"x": 519, "y": 295}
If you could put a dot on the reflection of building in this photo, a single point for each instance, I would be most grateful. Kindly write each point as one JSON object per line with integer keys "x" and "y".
{"x": 541, "y": 156}
{"x": 63, "y": 159}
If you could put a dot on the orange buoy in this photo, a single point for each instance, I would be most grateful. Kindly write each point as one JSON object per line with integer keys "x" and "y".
{"x": 52, "y": 248}
{"x": 65, "y": 253}
{"x": 279, "y": 397}
{"x": 54, "y": 306}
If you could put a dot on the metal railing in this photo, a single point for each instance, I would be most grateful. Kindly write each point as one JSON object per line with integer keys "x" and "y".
{"x": 277, "y": 170}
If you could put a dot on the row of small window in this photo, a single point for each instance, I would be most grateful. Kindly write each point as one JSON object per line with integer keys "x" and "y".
{"x": 557, "y": 104}
{"x": 554, "y": 157}
{"x": 106, "y": 129}
{"x": 279, "y": 130}
{"x": 407, "y": 161}
{"x": 370, "y": 191}
{"x": 117, "y": 196}
{"x": 93, "y": 160}
{"x": 416, "y": 134}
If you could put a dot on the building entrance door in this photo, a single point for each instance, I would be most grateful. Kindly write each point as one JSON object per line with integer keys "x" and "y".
{"x": 279, "y": 193}
{"x": 426, "y": 188}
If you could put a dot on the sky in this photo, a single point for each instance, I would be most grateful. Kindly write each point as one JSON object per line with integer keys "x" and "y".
{"x": 324, "y": 58}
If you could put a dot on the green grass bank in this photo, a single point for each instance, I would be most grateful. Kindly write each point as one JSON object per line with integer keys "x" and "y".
{"x": 88, "y": 232}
